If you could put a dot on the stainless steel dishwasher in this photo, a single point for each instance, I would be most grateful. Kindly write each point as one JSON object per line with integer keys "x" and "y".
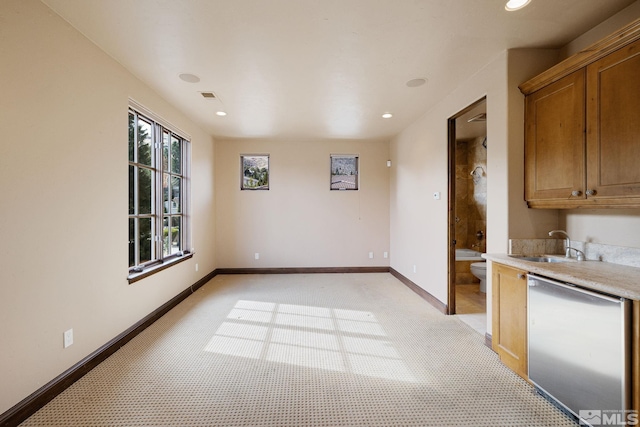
{"x": 579, "y": 345}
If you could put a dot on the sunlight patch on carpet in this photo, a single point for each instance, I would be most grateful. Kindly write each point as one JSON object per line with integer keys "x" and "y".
{"x": 314, "y": 337}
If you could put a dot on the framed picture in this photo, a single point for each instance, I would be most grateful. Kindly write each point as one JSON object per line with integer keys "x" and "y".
{"x": 255, "y": 172}
{"x": 344, "y": 172}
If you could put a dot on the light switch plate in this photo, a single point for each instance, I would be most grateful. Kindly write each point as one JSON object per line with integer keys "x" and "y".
{"x": 68, "y": 338}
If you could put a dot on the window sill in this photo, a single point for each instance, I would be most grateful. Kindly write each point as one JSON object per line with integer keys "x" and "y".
{"x": 134, "y": 277}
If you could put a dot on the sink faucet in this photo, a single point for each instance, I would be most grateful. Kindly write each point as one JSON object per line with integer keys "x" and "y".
{"x": 567, "y": 243}
{"x": 579, "y": 254}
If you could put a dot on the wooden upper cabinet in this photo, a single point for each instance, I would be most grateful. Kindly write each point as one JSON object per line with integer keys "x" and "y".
{"x": 582, "y": 127}
{"x": 555, "y": 140}
{"x": 613, "y": 124}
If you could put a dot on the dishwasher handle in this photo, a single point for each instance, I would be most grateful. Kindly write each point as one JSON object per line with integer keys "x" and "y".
{"x": 531, "y": 278}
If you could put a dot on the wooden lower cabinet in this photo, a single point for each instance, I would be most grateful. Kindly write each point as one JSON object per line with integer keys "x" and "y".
{"x": 509, "y": 325}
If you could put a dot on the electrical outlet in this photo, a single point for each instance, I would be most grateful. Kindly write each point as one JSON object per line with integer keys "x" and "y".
{"x": 386, "y": 255}
{"x": 196, "y": 266}
{"x": 414, "y": 269}
{"x": 436, "y": 195}
{"x": 257, "y": 255}
{"x": 68, "y": 338}
{"x": 370, "y": 255}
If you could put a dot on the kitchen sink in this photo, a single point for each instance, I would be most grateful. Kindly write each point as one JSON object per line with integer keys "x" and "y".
{"x": 539, "y": 258}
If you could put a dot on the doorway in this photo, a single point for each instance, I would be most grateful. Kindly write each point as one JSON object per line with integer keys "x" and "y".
{"x": 467, "y": 220}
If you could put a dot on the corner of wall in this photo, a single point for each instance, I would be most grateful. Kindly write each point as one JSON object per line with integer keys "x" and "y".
{"x": 524, "y": 64}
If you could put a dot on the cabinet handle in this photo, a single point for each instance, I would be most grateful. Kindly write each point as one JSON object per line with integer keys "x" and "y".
{"x": 590, "y": 192}
{"x": 576, "y": 193}
{"x": 521, "y": 276}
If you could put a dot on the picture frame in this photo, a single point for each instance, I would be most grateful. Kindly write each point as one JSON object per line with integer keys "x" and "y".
{"x": 344, "y": 171}
{"x": 254, "y": 172}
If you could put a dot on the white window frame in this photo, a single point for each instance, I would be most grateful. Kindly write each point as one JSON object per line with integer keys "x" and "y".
{"x": 179, "y": 247}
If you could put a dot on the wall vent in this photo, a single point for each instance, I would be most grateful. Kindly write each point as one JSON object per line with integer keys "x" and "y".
{"x": 208, "y": 95}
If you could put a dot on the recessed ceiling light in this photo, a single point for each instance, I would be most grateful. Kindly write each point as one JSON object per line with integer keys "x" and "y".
{"x": 516, "y": 4}
{"x": 416, "y": 82}
{"x": 189, "y": 78}
{"x": 387, "y": 115}
{"x": 221, "y": 113}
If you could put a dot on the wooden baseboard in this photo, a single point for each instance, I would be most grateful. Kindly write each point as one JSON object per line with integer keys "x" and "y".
{"x": 302, "y": 270}
{"x": 46, "y": 393}
{"x": 439, "y": 305}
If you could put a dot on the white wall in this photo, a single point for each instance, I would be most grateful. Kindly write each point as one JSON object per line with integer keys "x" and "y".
{"x": 299, "y": 222}
{"x": 63, "y": 216}
{"x": 418, "y": 222}
{"x": 617, "y": 227}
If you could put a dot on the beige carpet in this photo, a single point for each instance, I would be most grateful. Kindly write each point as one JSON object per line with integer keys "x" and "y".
{"x": 302, "y": 350}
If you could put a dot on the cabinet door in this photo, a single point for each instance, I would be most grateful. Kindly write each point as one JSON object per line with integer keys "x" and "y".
{"x": 555, "y": 140}
{"x": 509, "y": 324}
{"x": 613, "y": 117}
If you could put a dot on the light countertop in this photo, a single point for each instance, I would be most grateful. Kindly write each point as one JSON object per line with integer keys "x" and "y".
{"x": 607, "y": 277}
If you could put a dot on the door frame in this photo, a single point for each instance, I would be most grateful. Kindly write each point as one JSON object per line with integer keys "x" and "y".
{"x": 451, "y": 221}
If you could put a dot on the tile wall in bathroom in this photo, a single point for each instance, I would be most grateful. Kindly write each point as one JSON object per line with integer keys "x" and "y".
{"x": 471, "y": 194}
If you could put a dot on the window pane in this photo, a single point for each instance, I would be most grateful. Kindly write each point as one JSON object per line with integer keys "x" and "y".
{"x": 144, "y": 142}
{"x": 176, "y": 232}
{"x": 344, "y": 173}
{"x": 176, "y": 190}
{"x": 166, "y": 236}
{"x": 165, "y": 151}
{"x": 166, "y": 193}
{"x": 132, "y": 139}
{"x": 132, "y": 193}
{"x": 146, "y": 240}
{"x": 171, "y": 242}
{"x": 176, "y": 155}
{"x": 132, "y": 242}
{"x": 145, "y": 189}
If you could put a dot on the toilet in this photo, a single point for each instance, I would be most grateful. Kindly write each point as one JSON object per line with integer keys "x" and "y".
{"x": 479, "y": 269}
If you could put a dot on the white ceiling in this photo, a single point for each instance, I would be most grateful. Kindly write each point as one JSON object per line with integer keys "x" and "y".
{"x": 317, "y": 69}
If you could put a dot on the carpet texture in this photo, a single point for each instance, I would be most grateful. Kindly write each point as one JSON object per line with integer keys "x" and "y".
{"x": 302, "y": 350}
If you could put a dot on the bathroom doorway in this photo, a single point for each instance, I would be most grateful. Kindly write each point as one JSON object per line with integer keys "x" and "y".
{"x": 468, "y": 147}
